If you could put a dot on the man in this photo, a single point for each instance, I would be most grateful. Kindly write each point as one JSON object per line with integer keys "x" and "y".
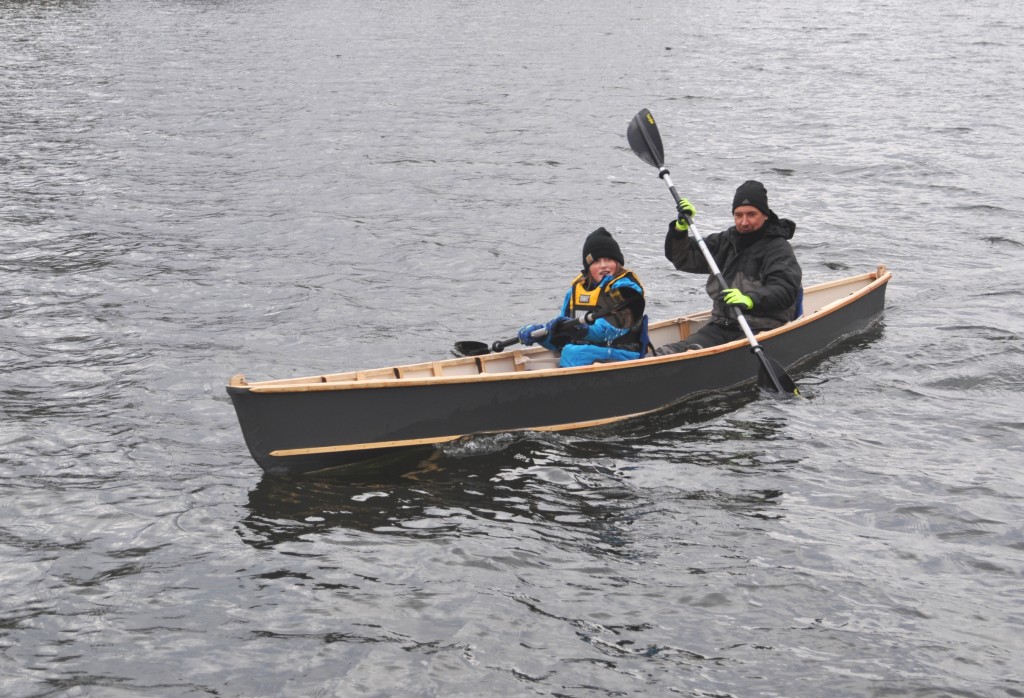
{"x": 756, "y": 261}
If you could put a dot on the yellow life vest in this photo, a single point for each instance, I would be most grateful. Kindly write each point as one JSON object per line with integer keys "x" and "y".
{"x": 583, "y": 300}
{"x": 607, "y": 300}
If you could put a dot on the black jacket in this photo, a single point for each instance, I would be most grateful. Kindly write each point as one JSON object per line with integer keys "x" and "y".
{"x": 763, "y": 267}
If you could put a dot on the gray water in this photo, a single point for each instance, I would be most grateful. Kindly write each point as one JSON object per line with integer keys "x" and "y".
{"x": 194, "y": 189}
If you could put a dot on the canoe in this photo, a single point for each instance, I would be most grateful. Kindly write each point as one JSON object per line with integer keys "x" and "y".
{"x": 301, "y": 425}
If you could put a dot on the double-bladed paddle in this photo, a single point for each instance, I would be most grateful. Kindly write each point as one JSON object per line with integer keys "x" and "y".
{"x": 645, "y": 140}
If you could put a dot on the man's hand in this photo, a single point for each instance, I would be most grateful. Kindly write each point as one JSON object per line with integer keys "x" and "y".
{"x": 733, "y": 296}
{"x": 685, "y": 211}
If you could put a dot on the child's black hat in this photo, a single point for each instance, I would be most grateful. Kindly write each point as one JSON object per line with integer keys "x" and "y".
{"x": 600, "y": 243}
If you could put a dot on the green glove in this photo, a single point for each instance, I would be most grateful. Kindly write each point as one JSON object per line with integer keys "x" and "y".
{"x": 733, "y": 296}
{"x": 685, "y": 210}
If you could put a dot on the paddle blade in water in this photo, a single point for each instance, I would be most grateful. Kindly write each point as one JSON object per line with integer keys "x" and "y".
{"x": 645, "y": 140}
{"x": 773, "y": 377}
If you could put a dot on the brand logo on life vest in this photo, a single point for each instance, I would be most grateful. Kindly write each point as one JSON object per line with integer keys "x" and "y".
{"x": 585, "y": 298}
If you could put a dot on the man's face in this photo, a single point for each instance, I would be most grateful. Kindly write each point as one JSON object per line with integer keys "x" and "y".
{"x": 748, "y": 219}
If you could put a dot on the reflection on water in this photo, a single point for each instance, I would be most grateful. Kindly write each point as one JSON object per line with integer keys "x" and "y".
{"x": 517, "y": 479}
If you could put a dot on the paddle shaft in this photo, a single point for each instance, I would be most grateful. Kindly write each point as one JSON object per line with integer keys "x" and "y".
{"x": 503, "y": 343}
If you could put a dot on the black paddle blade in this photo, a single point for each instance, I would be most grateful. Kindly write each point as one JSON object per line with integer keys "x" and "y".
{"x": 468, "y": 348}
{"x": 773, "y": 377}
{"x": 645, "y": 140}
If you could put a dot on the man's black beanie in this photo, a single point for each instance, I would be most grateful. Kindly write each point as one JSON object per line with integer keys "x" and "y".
{"x": 752, "y": 193}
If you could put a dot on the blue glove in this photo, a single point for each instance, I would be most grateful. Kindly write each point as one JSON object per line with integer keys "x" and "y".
{"x": 526, "y": 333}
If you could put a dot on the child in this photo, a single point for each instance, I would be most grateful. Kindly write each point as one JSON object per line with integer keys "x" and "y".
{"x": 602, "y": 317}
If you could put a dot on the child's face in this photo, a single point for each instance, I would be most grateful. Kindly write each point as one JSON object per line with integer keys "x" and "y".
{"x": 601, "y": 268}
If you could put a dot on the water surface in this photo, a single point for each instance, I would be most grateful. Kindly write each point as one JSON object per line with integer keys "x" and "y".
{"x": 191, "y": 190}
